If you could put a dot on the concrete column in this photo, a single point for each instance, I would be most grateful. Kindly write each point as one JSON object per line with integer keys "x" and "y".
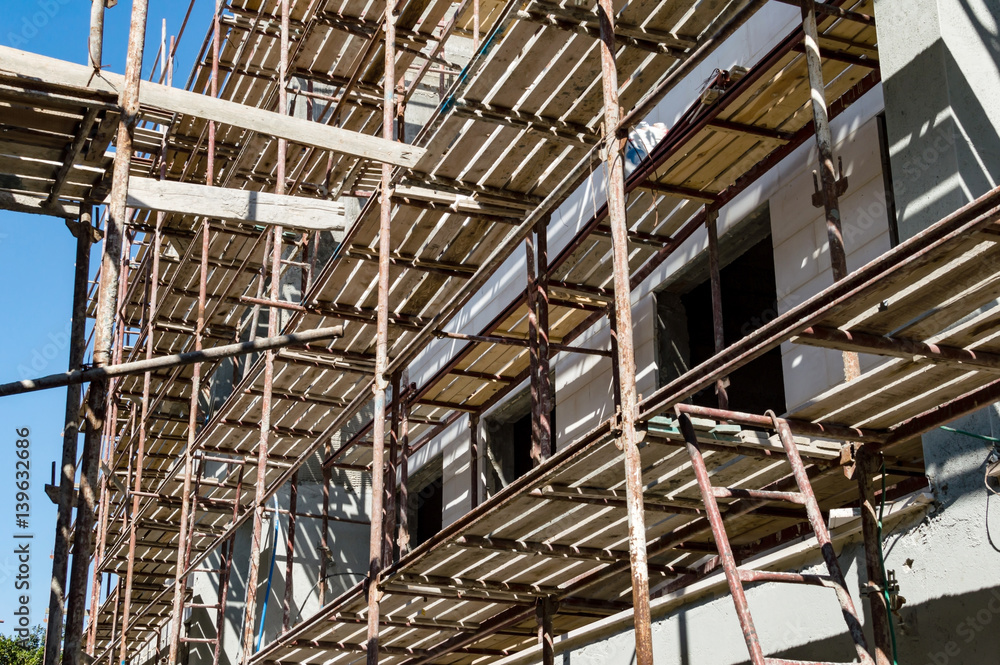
{"x": 942, "y": 88}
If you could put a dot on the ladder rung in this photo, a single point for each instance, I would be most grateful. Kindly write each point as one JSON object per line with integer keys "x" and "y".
{"x": 200, "y": 640}
{"x": 202, "y": 606}
{"x": 765, "y": 495}
{"x": 748, "y": 575}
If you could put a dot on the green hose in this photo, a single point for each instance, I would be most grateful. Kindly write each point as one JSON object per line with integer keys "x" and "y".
{"x": 972, "y": 434}
{"x": 885, "y": 578}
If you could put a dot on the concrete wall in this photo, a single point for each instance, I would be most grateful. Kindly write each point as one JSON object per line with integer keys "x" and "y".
{"x": 942, "y": 88}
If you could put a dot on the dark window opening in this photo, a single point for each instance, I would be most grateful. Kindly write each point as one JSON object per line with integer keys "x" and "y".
{"x": 749, "y": 300}
{"x": 508, "y": 442}
{"x": 424, "y": 506}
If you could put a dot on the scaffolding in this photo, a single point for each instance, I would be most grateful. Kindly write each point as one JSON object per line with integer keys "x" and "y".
{"x": 221, "y": 194}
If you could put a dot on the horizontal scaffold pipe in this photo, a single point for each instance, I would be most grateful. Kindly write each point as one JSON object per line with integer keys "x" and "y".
{"x": 164, "y": 362}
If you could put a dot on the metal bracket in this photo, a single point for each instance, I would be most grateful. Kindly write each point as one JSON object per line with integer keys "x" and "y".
{"x": 76, "y": 228}
{"x": 616, "y": 427}
{"x": 840, "y": 187}
{"x": 848, "y": 459}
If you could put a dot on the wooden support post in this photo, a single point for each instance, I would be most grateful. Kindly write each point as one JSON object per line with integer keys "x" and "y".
{"x": 473, "y": 460}
{"x": 289, "y": 600}
{"x": 866, "y": 467}
{"x": 107, "y": 307}
{"x": 628, "y": 438}
{"x": 544, "y": 609}
{"x": 381, "y": 341}
{"x": 711, "y": 225}
{"x": 78, "y": 337}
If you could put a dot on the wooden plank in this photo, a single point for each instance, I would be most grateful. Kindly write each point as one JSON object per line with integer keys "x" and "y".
{"x": 235, "y": 204}
{"x": 23, "y": 67}
{"x": 36, "y": 205}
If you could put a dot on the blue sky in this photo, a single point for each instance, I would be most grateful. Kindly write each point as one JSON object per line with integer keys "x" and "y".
{"x": 36, "y": 267}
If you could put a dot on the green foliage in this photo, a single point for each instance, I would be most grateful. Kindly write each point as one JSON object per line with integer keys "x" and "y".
{"x": 15, "y": 651}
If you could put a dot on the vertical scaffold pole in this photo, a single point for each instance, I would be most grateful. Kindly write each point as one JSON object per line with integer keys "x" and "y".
{"x": 403, "y": 538}
{"x": 78, "y": 338}
{"x": 389, "y": 510}
{"x": 273, "y": 314}
{"x": 866, "y": 467}
{"x": 473, "y": 460}
{"x": 289, "y": 600}
{"x": 381, "y": 340}
{"x": 324, "y": 536}
{"x": 538, "y": 342}
{"x": 107, "y": 306}
{"x": 827, "y": 175}
{"x": 542, "y": 314}
{"x": 715, "y": 275}
{"x": 628, "y": 439}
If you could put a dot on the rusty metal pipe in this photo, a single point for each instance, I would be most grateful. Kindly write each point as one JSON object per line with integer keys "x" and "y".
{"x": 628, "y": 438}
{"x": 289, "y": 600}
{"x": 721, "y": 540}
{"x": 71, "y": 431}
{"x": 473, "y": 460}
{"x": 107, "y": 307}
{"x": 712, "y": 226}
{"x": 381, "y": 340}
{"x": 866, "y": 467}
{"x": 250, "y": 607}
{"x": 176, "y": 360}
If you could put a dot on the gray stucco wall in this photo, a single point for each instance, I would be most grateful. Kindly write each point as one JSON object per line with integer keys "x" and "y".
{"x": 942, "y": 102}
{"x": 348, "y": 543}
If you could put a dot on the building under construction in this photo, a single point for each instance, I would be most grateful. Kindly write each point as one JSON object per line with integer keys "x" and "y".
{"x": 516, "y": 331}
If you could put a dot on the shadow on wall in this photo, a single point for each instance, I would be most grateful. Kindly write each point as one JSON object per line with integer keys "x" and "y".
{"x": 944, "y": 145}
{"x": 951, "y": 630}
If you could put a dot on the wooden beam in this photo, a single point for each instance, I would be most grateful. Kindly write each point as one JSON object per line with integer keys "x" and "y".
{"x": 235, "y": 204}
{"x": 37, "y": 205}
{"x": 30, "y": 69}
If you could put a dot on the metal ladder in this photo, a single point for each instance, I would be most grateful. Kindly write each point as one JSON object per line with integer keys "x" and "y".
{"x": 737, "y": 576}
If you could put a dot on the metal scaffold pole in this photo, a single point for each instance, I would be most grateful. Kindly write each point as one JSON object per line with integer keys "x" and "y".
{"x": 381, "y": 342}
{"x": 85, "y": 237}
{"x": 273, "y": 317}
{"x": 107, "y": 307}
{"x": 625, "y": 357}
{"x": 152, "y": 302}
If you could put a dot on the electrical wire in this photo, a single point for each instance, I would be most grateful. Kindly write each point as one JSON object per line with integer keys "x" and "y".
{"x": 885, "y": 578}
